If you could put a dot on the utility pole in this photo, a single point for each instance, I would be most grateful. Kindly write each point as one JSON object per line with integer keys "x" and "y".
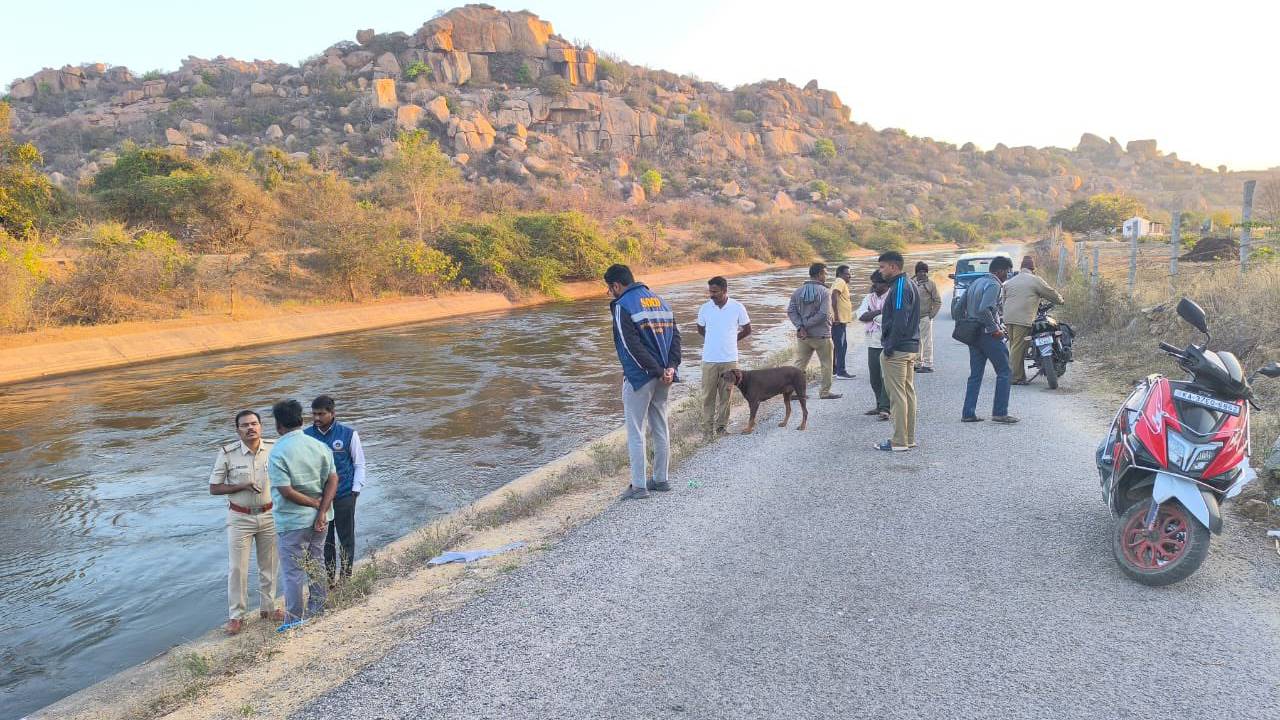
{"x": 1246, "y": 215}
{"x": 1175, "y": 242}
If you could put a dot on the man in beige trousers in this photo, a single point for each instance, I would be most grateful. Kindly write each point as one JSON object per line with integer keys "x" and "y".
{"x": 900, "y": 340}
{"x": 810, "y": 313}
{"x": 1022, "y": 295}
{"x": 722, "y": 322}
{"x": 930, "y": 306}
{"x": 240, "y": 472}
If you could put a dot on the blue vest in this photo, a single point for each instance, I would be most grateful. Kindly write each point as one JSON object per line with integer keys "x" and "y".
{"x": 338, "y": 439}
{"x": 655, "y": 324}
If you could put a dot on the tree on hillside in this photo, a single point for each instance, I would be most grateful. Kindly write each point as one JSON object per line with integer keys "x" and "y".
{"x": 420, "y": 177}
{"x": 1100, "y": 212}
{"x": 27, "y": 198}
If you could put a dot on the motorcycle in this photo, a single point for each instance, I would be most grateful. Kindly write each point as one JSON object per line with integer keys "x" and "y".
{"x": 1049, "y": 349}
{"x": 1176, "y": 451}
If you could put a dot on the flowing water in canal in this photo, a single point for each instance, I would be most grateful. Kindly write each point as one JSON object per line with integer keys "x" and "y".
{"x": 115, "y": 549}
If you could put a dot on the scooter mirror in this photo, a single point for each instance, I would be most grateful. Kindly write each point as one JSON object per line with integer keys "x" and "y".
{"x": 1271, "y": 370}
{"x": 1193, "y": 314}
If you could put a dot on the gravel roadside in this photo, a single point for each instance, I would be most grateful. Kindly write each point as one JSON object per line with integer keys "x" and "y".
{"x": 803, "y": 574}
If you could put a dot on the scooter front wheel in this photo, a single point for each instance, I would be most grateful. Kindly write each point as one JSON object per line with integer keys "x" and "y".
{"x": 1173, "y": 549}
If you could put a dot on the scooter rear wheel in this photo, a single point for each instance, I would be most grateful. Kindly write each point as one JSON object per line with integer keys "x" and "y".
{"x": 1171, "y": 551}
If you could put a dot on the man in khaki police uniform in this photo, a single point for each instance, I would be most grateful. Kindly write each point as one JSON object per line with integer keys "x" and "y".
{"x": 240, "y": 472}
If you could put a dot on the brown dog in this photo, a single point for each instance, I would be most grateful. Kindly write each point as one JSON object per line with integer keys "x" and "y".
{"x": 760, "y": 385}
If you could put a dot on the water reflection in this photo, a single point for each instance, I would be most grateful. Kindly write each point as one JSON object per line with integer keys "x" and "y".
{"x": 116, "y": 549}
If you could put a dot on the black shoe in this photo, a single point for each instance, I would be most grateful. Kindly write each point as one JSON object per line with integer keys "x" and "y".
{"x": 1004, "y": 419}
{"x": 659, "y": 486}
{"x": 830, "y": 396}
{"x": 845, "y": 375}
{"x": 923, "y": 369}
{"x": 635, "y": 493}
{"x": 974, "y": 418}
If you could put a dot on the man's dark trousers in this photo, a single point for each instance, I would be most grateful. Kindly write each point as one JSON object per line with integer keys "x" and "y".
{"x": 343, "y": 528}
{"x": 995, "y": 351}
{"x": 841, "y": 342}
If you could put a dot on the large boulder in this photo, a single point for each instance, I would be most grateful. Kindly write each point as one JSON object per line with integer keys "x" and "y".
{"x": 483, "y": 29}
{"x": 1142, "y": 148}
{"x": 387, "y": 63}
{"x": 175, "y": 138}
{"x": 782, "y": 202}
{"x": 439, "y": 109}
{"x": 472, "y": 133}
{"x": 450, "y": 67}
{"x": 357, "y": 59}
{"x": 407, "y": 116}
{"x": 364, "y": 37}
{"x": 384, "y": 93}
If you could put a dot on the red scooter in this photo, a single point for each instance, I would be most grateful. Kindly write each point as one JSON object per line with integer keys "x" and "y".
{"x": 1176, "y": 451}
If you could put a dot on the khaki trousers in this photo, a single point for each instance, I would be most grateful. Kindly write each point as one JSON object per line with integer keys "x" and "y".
{"x": 900, "y": 382}
{"x": 242, "y": 531}
{"x": 806, "y": 347}
{"x": 926, "y": 342}
{"x": 1019, "y": 338}
{"x": 715, "y": 395}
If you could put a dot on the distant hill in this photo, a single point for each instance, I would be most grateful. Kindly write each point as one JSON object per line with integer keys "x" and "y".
{"x": 512, "y": 101}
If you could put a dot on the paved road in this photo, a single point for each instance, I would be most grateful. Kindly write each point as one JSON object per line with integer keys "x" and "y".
{"x": 812, "y": 577}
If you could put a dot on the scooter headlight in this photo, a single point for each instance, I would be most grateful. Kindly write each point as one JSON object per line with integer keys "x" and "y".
{"x": 1204, "y": 456}
{"x": 1179, "y": 449}
{"x": 1188, "y": 457}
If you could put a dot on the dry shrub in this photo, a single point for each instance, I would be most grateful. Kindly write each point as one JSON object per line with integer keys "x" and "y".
{"x": 125, "y": 275}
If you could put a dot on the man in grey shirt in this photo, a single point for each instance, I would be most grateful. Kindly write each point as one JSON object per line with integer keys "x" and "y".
{"x": 984, "y": 302}
{"x": 810, "y": 312}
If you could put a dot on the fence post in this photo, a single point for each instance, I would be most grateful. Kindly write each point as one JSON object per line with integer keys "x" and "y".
{"x": 1246, "y": 233}
{"x": 1093, "y": 276}
{"x": 1062, "y": 264}
{"x": 1133, "y": 258}
{"x": 1175, "y": 242}
{"x": 1081, "y": 262}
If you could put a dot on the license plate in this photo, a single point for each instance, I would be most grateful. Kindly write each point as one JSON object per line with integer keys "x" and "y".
{"x": 1229, "y": 408}
{"x": 1044, "y": 340}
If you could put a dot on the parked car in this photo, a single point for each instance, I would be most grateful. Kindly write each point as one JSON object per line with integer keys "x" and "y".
{"x": 970, "y": 267}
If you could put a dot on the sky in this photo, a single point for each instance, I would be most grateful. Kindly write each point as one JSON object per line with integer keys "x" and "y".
{"x": 1023, "y": 73}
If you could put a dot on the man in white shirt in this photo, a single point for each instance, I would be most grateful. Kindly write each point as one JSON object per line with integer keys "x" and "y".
{"x": 722, "y": 323}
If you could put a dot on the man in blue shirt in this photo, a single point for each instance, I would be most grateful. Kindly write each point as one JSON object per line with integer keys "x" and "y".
{"x": 303, "y": 482}
{"x": 648, "y": 345}
{"x": 348, "y": 460}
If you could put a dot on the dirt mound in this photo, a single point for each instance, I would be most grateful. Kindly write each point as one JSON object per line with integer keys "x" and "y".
{"x": 1213, "y": 248}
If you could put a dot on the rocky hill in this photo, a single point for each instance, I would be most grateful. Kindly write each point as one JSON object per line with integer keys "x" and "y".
{"x": 513, "y": 102}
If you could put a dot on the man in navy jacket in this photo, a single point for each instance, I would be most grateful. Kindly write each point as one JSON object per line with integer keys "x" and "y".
{"x": 648, "y": 344}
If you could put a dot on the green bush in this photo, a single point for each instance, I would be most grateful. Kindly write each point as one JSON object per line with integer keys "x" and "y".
{"x": 554, "y": 86}
{"x": 831, "y": 238}
{"x": 651, "y": 181}
{"x": 22, "y": 275}
{"x": 824, "y": 149}
{"x": 697, "y": 121}
{"x": 883, "y": 236}
{"x": 744, "y": 116}
{"x": 153, "y": 75}
{"x": 571, "y": 239}
{"x": 494, "y": 256}
{"x": 961, "y": 233}
{"x": 120, "y": 270}
{"x": 418, "y": 68}
{"x": 27, "y": 198}
{"x": 821, "y": 187}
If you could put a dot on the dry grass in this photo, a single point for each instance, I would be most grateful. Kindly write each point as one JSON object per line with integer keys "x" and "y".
{"x": 1118, "y": 334}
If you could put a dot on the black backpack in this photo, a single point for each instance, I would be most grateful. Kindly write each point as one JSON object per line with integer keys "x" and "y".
{"x": 967, "y": 329}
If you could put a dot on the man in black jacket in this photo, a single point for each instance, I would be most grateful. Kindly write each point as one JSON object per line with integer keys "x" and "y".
{"x": 900, "y": 338}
